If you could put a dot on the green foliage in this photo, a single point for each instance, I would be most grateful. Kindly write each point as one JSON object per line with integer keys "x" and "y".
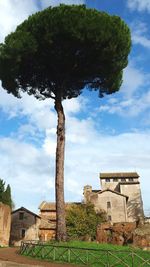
{"x": 5, "y": 195}
{"x": 88, "y": 254}
{"x": 82, "y": 221}
{"x": 59, "y": 51}
{"x": 2, "y": 189}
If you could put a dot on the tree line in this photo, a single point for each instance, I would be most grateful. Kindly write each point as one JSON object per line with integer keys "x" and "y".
{"x": 5, "y": 194}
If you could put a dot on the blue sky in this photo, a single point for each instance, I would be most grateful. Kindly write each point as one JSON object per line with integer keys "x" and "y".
{"x": 103, "y": 135}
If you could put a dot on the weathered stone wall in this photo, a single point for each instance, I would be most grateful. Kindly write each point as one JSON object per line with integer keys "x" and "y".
{"x": 29, "y": 224}
{"x": 117, "y": 233}
{"x": 111, "y": 185}
{"x": 117, "y": 210}
{"x": 127, "y": 184}
{"x": 124, "y": 233}
{"x": 114, "y": 184}
{"x": 48, "y": 215}
{"x": 141, "y": 236}
{"x": 147, "y": 220}
{"x": 47, "y": 228}
{"x": 47, "y": 234}
{"x": 5, "y": 223}
{"x": 134, "y": 204}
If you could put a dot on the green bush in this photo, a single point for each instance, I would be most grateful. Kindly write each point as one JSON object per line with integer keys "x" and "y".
{"x": 82, "y": 221}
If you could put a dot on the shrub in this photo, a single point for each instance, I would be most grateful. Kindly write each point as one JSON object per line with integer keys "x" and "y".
{"x": 82, "y": 221}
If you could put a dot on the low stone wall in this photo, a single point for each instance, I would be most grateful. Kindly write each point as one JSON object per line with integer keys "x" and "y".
{"x": 117, "y": 233}
{"x": 141, "y": 236}
{"x": 147, "y": 220}
{"x": 124, "y": 233}
{"x": 5, "y": 223}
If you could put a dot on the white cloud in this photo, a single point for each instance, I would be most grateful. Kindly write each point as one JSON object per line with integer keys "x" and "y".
{"x": 40, "y": 113}
{"x": 133, "y": 80}
{"x": 72, "y": 186}
{"x": 140, "y": 5}
{"x": 30, "y": 170}
{"x": 13, "y": 12}
{"x": 133, "y": 100}
{"x": 137, "y": 39}
{"x": 73, "y": 106}
{"x": 128, "y": 108}
{"x": 26, "y": 168}
{"x": 49, "y": 144}
{"x": 139, "y": 34}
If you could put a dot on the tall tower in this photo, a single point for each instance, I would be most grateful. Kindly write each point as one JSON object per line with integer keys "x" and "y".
{"x": 126, "y": 183}
{"x": 87, "y": 193}
{"x": 131, "y": 187}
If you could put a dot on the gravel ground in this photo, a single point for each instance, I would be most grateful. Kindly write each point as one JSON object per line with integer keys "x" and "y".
{"x": 9, "y": 257}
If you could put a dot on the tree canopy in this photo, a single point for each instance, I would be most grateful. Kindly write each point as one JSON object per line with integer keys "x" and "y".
{"x": 59, "y": 51}
{"x": 5, "y": 194}
{"x": 82, "y": 221}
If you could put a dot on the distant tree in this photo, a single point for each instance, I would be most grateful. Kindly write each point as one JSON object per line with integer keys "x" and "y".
{"x": 5, "y": 195}
{"x": 55, "y": 54}
{"x": 82, "y": 221}
{"x": 2, "y": 189}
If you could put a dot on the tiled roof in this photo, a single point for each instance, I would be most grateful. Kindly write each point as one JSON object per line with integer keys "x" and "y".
{"x": 112, "y": 191}
{"x": 26, "y": 210}
{"x": 47, "y": 206}
{"x": 51, "y": 206}
{"x": 105, "y": 175}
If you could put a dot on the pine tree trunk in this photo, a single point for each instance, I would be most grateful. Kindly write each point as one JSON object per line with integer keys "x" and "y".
{"x": 59, "y": 174}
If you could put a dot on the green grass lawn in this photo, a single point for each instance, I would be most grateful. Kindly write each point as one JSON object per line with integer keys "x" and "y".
{"x": 90, "y": 254}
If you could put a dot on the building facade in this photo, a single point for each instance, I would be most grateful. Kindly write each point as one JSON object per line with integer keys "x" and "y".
{"x": 47, "y": 227}
{"x": 120, "y": 197}
{"x": 24, "y": 226}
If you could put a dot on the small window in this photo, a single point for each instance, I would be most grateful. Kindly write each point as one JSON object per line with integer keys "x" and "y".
{"x": 115, "y": 180}
{"x": 23, "y": 233}
{"x": 130, "y": 179}
{"x": 123, "y": 180}
{"x": 108, "y": 204}
{"x": 107, "y": 180}
{"x": 21, "y": 215}
{"x": 109, "y": 217}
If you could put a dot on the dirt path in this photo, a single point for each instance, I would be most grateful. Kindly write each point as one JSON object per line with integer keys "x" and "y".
{"x": 11, "y": 256}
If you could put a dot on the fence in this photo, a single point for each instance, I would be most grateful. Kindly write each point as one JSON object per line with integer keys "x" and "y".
{"x": 86, "y": 256}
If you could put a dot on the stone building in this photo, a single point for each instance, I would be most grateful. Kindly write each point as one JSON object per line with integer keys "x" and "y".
{"x": 24, "y": 226}
{"x": 5, "y": 223}
{"x": 47, "y": 227}
{"x": 120, "y": 197}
